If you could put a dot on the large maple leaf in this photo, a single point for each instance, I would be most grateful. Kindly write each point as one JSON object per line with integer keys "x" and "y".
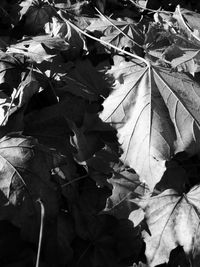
{"x": 173, "y": 220}
{"x": 156, "y": 112}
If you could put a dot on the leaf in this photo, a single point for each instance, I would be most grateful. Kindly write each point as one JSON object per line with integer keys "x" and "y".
{"x": 189, "y": 62}
{"x": 26, "y": 177}
{"x": 65, "y": 232}
{"x": 49, "y": 126}
{"x": 36, "y": 16}
{"x": 129, "y": 241}
{"x": 183, "y": 59}
{"x": 84, "y": 81}
{"x": 178, "y": 258}
{"x": 11, "y": 67}
{"x": 40, "y": 48}
{"x": 126, "y": 186}
{"x": 25, "y": 4}
{"x": 128, "y": 33}
{"x": 156, "y": 113}
{"x": 60, "y": 29}
{"x": 86, "y": 143}
{"x": 103, "y": 159}
{"x": 172, "y": 220}
{"x": 174, "y": 170}
{"x": 20, "y": 96}
{"x": 188, "y": 22}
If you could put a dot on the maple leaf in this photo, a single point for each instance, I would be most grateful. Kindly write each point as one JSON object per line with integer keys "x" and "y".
{"x": 36, "y": 14}
{"x": 26, "y": 177}
{"x": 156, "y": 116}
{"x": 173, "y": 220}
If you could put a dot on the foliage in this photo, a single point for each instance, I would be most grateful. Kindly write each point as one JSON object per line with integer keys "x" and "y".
{"x": 99, "y": 133}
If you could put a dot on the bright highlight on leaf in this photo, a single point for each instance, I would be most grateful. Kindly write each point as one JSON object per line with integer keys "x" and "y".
{"x": 114, "y": 87}
{"x": 156, "y": 113}
{"x": 172, "y": 220}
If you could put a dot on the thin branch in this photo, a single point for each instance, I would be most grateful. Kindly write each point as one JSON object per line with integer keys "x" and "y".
{"x": 41, "y": 232}
{"x": 75, "y": 180}
{"x": 102, "y": 41}
{"x": 117, "y": 28}
{"x": 149, "y": 9}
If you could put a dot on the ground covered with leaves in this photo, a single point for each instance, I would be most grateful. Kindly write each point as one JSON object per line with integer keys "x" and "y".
{"x": 100, "y": 133}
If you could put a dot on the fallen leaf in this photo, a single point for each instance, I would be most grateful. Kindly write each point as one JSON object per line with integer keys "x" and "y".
{"x": 173, "y": 220}
{"x": 188, "y": 22}
{"x": 119, "y": 33}
{"x": 58, "y": 28}
{"x": 83, "y": 80}
{"x": 126, "y": 186}
{"x": 183, "y": 59}
{"x": 20, "y": 96}
{"x": 151, "y": 108}
{"x": 36, "y": 13}
{"x": 25, "y": 178}
{"x": 40, "y": 48}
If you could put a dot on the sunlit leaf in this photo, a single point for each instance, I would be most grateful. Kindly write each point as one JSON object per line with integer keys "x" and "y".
{"x": 172, "y": 220}
{"x": 156, "y": 115}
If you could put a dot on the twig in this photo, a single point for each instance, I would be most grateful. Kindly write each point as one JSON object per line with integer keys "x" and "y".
{"x": 75, "y": 180}
{"x": 117, "y": 28}
{"x": 41, "y": 232}
{"x": 151, "y": 10}
{"x": 101, "y": 41}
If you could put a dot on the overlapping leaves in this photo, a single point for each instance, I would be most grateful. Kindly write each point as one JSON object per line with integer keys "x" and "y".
{"x": 25, "y": 178}
{"x": 156, "y": 113}
{"x": 173, "y": 220}
{"x": 51, "y": 90}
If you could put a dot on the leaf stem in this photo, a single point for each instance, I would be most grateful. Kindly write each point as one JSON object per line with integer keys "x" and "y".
{"x": 41, "y": 232}
{"x": 101, "y": 41}
{"x": 117, "y": 28}
{"x": 75, "y": 180}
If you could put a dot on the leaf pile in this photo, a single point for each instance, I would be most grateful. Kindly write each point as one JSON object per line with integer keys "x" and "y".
{"x": 99, "y": 133}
